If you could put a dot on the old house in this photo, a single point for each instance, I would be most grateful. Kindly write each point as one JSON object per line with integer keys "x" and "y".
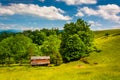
{"x": 40, "y": 60}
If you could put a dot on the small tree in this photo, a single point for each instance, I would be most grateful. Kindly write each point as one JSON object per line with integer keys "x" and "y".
{"x": 56, "y": 59}
{"x": 107, "y": 34}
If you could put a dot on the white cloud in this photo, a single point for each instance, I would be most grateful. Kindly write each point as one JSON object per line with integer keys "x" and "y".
{"x": 16, "y": 27}
{"x": 78, "y": 2}
{"x": 116, "y": 27}
{"x": 108, "y": 12}
{"x": 41, "y": 0}
{"x": 68, "y": 22}
{"x": 79, "y": 14}
{"x": 94, "y": 24}
{"x": 88, "y": 11}
{"x": 51, "y": 12}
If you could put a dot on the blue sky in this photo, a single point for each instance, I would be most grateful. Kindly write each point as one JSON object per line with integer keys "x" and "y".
{"x": 38, "y": 14}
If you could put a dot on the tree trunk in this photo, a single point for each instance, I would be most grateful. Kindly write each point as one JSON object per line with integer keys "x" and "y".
{"x": 20, "y": 63}
{"x": 8, "y": 63}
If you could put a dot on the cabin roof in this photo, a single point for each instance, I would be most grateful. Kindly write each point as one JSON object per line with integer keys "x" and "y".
{"x": 39, "y": 57}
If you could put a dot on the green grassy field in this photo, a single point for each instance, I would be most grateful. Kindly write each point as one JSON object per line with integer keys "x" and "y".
{"x": 107, "y": 67}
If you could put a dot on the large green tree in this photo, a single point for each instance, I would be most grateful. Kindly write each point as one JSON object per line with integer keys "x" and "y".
{"x": 77, "y": 40}
{"x": 15, "y": 48}
{"x": 5, "y": 50}
{"x": 20, "y": 47}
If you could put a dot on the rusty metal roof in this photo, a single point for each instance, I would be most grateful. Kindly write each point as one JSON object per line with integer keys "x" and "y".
{"x": 39, "y": 57}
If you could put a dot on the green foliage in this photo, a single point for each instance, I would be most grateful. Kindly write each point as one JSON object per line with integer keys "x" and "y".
{"x": 49, "y": 32}
{"x": 107, "y": 34}
{"x": 43, "y": 38}
{"x": 77, "y": 40}
{"x": 56, "y": 58}
{"x": 2, "y": 54}
{"x": 20, "y": 47}
{"x": 38, "y": 37}
{"x": 5, "y": 50}
{"x": 15, "y": 47}
{"x": 51, "y": 48}
{"x": 34, "y": 50}
{"x": 75, "y": 48}
{"x": 27, "y": 33}
{"x": 4, "y": 35}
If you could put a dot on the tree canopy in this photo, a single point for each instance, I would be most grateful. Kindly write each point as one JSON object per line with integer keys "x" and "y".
{"x": 15, "y": 47}
{"x": 77, "y": 40}
{"x": 51, "y": 47}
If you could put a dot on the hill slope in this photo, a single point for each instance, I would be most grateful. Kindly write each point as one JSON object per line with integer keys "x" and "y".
{"x": 109, "y": 57}
{"x": 102, "y": 33}
{"x": 109, "y": 46}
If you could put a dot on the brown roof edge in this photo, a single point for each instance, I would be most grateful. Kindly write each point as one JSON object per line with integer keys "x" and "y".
{"x": 39, "y": 57}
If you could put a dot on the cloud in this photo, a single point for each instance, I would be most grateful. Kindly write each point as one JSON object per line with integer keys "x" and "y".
{"x": 78, "y": 2}
{"x": 94, "y": 24}
{"x": 41, "y": 0}
{"x": 79, "y": 14}
{"x": 108, "y": 12}
{"x": 68, "y": 22}
{"x": 116, "y": 27}
{"x": 51, "y": 12}
{"x": 16, "y": 27}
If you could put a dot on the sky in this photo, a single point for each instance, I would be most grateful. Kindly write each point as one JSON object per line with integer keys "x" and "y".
{"x": 38, "y": 14}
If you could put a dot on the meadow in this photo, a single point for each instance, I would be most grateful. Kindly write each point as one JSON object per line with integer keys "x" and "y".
{"x": 103, "y": 65}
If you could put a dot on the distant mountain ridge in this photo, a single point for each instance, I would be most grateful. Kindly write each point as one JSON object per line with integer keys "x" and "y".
{"x": 10, "y": 31}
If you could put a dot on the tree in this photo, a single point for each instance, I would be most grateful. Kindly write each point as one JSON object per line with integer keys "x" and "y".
{"x": 2, "y": 54}
{"x": 74, "y": 48}
{"x": 107, "y": 34}
{"x": 51, "y": 48}
{"x": 5, "y": 50}
{"x": 38, "y": 37}
{"x": 27, "y": 33}
{"x": 16, "y": 48}
{"x": 49, "y": 32}
{"x": 77, "y": 40}
{"x": 20, "y": 47}
{"x": 6, "y": 34}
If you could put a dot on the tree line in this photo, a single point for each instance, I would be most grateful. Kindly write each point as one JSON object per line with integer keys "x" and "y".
{"x": 75, "y": 41}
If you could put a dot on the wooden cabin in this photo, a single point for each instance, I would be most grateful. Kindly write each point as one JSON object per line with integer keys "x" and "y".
{"x": 40, "y": 60}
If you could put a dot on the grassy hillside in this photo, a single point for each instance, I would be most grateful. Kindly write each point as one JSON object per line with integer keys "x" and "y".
{"x": 104, "y": 65}
{"x": 109, "y": 57}
{"x": 109, "y": 46}
{"x": 102, "y": 33}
